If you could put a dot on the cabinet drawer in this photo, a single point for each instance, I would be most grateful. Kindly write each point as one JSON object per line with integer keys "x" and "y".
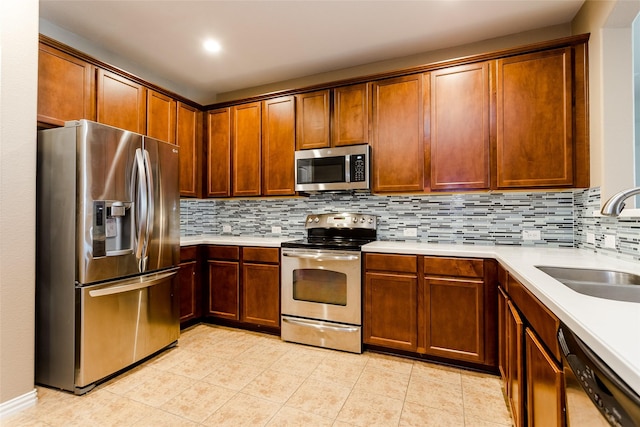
{"x": 386, "y": 262}
{"x": 223, "y": 252}
{"x": 264, "y": 255}
{"x": 541, "y": 319}
{"x": 188, "y": 253}
{"x": 458, "y": 267}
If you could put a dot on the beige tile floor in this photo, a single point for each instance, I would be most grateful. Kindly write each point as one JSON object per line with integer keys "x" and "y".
{"x": 226, "y": 377}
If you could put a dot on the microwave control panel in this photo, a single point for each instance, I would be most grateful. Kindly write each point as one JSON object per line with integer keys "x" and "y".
{"x": 358, "y": 168}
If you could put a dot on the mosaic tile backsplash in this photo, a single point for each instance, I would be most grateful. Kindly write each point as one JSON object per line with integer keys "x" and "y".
{"x": 626, "y": 230}
{"x": 482, "y": 218}
{"x": 564, "y": 218}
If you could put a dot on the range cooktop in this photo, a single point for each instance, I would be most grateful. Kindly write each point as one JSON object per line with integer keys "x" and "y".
{"x": 338, "y": 231}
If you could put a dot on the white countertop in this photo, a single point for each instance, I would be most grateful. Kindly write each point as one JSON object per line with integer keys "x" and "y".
{"x": 610, "y": 328}
{"x": 270, "y": 242}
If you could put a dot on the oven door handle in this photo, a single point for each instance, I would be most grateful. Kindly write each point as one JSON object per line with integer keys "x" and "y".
{"x": 320, "y": 326}
{"x": 322, "y": 257}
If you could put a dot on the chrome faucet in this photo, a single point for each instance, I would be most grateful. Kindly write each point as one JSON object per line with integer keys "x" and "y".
{"x": 615, "y": 204}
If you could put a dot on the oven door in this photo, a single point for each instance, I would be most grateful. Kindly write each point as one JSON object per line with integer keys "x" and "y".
{"x": 322, "y": 285}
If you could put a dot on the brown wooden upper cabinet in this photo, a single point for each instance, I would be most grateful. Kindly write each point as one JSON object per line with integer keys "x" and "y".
{"x": 219, "y": 152}
{"x": 121, "y": 102}
{"x": 278, "y": 146}
{"x": 189, "y": 139}
{"x": 312, "y": 120}
{"x": 350, "y": 115}
{"x": 161, "y": 116}
{"x": 250, "y": 149}
{"x": 66, "y": 87}
{"x": 535, "y": 120}
{"x": 333, "y": 117}
{"x": 246, "y": 141}
{"x": 398, "y": 134}
{"x": 458, "y": 113}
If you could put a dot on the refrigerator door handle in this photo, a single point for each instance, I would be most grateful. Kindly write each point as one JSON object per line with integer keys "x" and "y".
{"x": 118, "y": 289}
{"x": 150, "y": 198}
{"x": 142, "y": 213}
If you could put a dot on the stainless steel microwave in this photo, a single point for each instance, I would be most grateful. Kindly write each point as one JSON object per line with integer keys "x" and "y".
{"x": 333, "y": 169}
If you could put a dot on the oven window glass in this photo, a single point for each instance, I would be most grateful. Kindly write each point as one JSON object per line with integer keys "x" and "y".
{"x": 320, "y": 286}
{"x": 321, "y": 170}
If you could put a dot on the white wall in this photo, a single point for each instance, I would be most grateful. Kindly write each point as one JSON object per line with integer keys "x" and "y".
{"x": 18, "y": 100}
{"x": 611, "y": 116}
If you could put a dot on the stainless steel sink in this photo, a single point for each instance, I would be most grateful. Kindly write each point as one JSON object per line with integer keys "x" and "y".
{"x": 608, "y": 284}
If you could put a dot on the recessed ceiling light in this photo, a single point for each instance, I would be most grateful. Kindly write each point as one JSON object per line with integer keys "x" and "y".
{"x": 212, "y": 46}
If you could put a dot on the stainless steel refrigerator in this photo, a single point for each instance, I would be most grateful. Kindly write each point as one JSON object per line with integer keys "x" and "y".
{"x": 108, "y": 247}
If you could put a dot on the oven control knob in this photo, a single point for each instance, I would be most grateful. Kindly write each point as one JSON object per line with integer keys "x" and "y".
{"x": 355, "y": 219}
{"x": 316, "y": 220}
{"x": 310, "y": 219}
{"x": 362, "y": 220}
{"x": 370, "y": 220}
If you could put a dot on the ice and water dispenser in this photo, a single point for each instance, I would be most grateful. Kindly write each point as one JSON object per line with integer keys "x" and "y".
{"x": 112, "y": 228}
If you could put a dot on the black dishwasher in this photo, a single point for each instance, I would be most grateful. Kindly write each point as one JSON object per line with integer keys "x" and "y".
{"x": 595, "y": 395}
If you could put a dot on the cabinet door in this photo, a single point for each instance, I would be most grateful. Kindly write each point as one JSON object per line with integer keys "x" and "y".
{"x": 278, "y": 146}
{"x": 247, "y": 140}
{"x": 398, "y": 130}
{"x": 390, "y": 311}
{"x": 455, "y": 318}
{"x": 502, "y": 337}
{"x": 459, "y": 128}
{"x": 223, "y": 289}
{"x": 161, "y": 117}
{"x": 261, "y": 294}
{"x": 189, "y": 291}
{"x": 219, "y": 153}
{"x": 189, "y": 139}
{"x": 350, "y": 115}
{"x": 545, "y": 385}
{"x": 66, "y": 89}
{"x": 121, "y": 102}
{"x": 515, "y": 374}
{"x": 312, "y": 120}
{"x": 534, "y": 136}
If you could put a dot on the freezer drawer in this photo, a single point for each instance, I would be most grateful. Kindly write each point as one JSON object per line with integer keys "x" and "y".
{"x": 123, "y": 322}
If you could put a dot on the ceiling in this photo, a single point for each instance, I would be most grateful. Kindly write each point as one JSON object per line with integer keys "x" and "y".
{"x": 271, "y": 41}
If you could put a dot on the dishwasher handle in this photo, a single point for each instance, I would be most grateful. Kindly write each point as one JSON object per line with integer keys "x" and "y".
{"x": 132, "y": 286}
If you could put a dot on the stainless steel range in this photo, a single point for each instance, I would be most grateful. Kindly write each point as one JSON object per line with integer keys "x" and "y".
{"x": 321, "y": 281}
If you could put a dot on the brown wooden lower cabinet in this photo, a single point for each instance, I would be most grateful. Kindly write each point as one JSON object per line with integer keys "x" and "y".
{"x": 515, "y": 365}
{"x": 391, "y": 301}
{"x": 532, "y": 371}
{"x": 545, "y": 385}
{"x": 261, "y": 286}
{"x": 446, "y": 311}
{"x": 189, "y": 281}
{"x": 190, "y": 290}
{"x": 244, "y": 285}
{"x": 455, "y": 318}
{"x": 224, "y": 276}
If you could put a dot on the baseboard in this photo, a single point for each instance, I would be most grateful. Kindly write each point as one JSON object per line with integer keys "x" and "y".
{"x": 17, "y": 404}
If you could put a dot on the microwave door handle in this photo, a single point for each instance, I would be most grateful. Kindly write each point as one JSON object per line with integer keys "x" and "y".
{"x": 322, "y": 257}
{"x": 347, "y": 168}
